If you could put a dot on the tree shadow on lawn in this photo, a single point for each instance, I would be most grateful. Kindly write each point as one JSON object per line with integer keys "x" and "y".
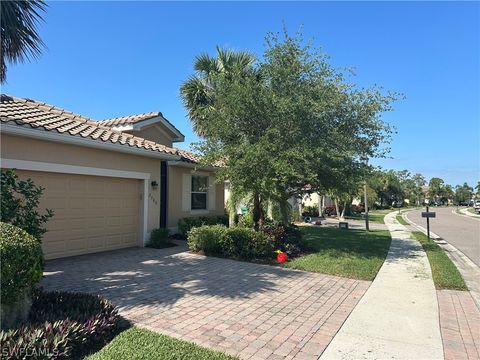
{"x": 137, "y": 277}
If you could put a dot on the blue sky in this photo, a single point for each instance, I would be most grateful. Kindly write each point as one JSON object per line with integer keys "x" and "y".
{"x": 108, "y": 59}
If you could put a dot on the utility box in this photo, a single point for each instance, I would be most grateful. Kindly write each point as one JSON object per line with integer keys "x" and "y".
{"x": 343, "y": 225}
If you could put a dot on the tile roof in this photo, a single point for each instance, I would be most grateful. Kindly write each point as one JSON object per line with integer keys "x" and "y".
{"x": 133, "y": 119}
{"x": 188, "y": 156}
{"x": 130, "y": 119}
{"x": 38, "y": 115}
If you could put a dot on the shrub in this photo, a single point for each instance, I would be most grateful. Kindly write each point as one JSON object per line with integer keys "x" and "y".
{"x": 159, "y": 239}
{"x": 246, "y": 220}
{"x": 357, "y": 209}
{"x": 310, "y": 211}
{"x": 330, "y": 211}
{"x": 207, "y": 238}
{"x": 287, "y": 239}
{"x": 21, "y": 258}
{"x": 62, "y": 325}
{"x": 247, "y": 244}
{"x": 186, "y": 224}
{"x": 19, "y": 204}
{"x": 238, "y": 243}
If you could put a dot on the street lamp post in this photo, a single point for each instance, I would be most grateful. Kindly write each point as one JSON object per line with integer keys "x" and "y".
{"x": 367, "y": 227}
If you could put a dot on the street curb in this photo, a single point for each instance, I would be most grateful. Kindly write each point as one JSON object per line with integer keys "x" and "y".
{"x": 465, "y": 214}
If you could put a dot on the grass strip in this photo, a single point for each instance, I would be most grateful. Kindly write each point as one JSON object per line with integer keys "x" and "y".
{"x": 401, "y": 220}
{"x": 445, "y": 273}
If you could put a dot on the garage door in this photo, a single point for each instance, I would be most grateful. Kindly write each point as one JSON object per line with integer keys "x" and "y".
{"x": 92, "y": 213}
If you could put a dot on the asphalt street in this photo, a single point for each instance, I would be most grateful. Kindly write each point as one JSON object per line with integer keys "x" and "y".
{"x": 460, "y": 231}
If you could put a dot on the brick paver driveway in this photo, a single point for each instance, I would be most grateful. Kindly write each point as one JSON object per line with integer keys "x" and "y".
{"x": 244, "y": 309}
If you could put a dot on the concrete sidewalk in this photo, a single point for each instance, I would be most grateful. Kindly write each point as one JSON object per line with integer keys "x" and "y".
{"x": 398, "y": 316}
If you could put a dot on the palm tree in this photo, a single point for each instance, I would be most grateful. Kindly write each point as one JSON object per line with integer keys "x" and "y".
{"x": 198, "y": 91}
{"x": 20, "y": 40}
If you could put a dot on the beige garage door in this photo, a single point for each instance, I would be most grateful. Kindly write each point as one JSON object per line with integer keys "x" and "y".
{"x": 92, "y": 213}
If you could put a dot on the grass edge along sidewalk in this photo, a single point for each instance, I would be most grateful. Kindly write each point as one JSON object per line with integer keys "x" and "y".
{"x": 445, "y": 273}
{"x": 374, "y": 216}
{"x": 355, "y": 254}
{"x": 138, "y": 343}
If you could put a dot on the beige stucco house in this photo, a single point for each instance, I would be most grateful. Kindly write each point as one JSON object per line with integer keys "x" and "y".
{"x": 110, "y": 182}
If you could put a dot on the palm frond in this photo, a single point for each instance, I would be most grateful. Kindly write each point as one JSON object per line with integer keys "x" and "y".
{"x": 20, "y": 40}
{"x": 205, "y": 64}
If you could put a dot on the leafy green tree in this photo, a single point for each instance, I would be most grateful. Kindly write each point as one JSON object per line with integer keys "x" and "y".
{"x": 463, "y": 193}
{"x": 388, "y": 187}
{"x": 19, "y": 204}
{"x": 415, "y": 190}
{"x": 288, "y": 121}
{"x": 436, "y": 188}
{"x": 20, "y": 40}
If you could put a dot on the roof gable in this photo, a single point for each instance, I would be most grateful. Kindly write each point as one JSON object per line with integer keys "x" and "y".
{"x": 138, "y": 122}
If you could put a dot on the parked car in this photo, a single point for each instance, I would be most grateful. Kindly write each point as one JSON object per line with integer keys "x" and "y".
{"x": 476, "y": 205}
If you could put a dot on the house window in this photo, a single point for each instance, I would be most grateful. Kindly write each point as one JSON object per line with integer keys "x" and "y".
{"x": 199, "y": 192}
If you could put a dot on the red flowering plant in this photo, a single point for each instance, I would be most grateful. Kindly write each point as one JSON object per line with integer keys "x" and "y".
{"x": 281, "y": 256}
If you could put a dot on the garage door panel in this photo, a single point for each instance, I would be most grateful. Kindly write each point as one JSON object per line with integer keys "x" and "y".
{"x": 92, "y": 213}
{"x": 77, "y": 186}
{"x": 54, "y": 247}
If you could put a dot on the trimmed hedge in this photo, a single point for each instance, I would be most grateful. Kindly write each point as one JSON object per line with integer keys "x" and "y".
{"x": 62, "y": 326}
{"x": 159, "y": 239}
{"x": 186, "y": 224}
{"x": 21, "y": 257}
{"x": 238, "y": 243}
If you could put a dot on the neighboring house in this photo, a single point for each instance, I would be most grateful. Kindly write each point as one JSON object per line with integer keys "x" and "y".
{"x": 317, "y": 200}
{"x": 109, "y": 182}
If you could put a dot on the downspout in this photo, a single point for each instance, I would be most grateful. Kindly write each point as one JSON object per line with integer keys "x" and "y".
{"x": 163, "y": 194}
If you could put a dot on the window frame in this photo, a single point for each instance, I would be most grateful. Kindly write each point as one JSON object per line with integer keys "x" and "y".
{"x": 199, "y": 192}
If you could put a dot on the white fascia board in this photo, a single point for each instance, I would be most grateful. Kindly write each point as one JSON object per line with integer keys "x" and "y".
{"x": 80, "y": 141}
{"x": 160, "y": 119}
{"x": 191, "y": 165}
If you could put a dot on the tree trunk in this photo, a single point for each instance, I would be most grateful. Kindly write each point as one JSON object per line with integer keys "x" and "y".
{"x": 342, "y": 215}
{"x": 321, "y": 201}
{"x": 258, "y": 218}
{"x": 335, "y": 201}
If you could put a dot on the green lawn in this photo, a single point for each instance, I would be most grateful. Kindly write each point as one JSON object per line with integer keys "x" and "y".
{"x": 401, "y": 220}
{"x": 350, "y": 253}
{"x": 141, "y": 344}
{"x": 472, "y": 210}
{"x": 375, "y": 216}
{"x": 445, "y": 273}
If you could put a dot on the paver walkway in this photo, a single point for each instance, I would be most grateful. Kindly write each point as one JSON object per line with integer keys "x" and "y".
{"x": 398, "y": 316}
{"x": 249, "y": 310}
{"x": 459, "y": 324}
